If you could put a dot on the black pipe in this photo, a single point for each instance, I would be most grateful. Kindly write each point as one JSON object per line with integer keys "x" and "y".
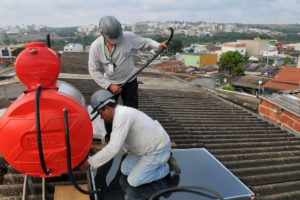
{"x": 38, "y": 130}
{"x": 136, "y": 73}
{"x": 48, "y": 40}
{"x": 186, "y": 189}
{"x": 68, "y": 147}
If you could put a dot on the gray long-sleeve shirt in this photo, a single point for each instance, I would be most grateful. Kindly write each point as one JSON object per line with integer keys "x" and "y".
{"x": 121, "y": 56}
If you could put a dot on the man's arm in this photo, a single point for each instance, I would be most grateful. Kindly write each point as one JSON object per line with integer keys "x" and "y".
{"x": 140, "y": 43}
{"x": 121, "y": 127}
{"x": 94, "y": 69}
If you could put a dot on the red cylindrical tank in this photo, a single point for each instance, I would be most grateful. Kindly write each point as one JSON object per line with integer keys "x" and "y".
{"x": 18, "y": 139}
{"x": 38, "y": 64}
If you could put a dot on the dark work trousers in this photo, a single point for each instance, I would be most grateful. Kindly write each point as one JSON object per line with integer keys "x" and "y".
{"x": 129, "y": 96}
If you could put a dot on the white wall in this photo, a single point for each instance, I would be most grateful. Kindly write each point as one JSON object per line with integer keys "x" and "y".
{"x": 73, "y": 47}
{"x": 241, "y": 50}
{"x": 297, "y": 47}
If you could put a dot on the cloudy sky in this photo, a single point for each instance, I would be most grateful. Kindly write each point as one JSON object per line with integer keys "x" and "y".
{"x": 85, "y": 12}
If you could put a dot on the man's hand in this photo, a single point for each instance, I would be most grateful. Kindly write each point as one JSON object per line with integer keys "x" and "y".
{"x": 115, "y": 89}
{"x": 84, "y": 165}
{"x": 163, "y": 44}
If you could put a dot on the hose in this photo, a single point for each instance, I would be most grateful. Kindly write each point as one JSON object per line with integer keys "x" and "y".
{"x": 69, "y": 163}
{"x": 137, "y": 72}
{"x": 38, "y": 130}
{"x": 184, "y": 188}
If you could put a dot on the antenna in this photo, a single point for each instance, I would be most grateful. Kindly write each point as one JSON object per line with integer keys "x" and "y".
{"x": 48, "y": 41}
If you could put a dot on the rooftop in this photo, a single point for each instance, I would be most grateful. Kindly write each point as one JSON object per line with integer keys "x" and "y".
{"x": 287, "y": 79}
{"x": 262, "y": 155}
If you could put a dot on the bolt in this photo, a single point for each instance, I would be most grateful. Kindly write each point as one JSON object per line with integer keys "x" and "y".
{"x": 33, "y": 51}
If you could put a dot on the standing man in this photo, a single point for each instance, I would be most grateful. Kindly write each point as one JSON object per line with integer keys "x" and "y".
{"x": 146, "y": 142}
{"x": 111, "y": 53}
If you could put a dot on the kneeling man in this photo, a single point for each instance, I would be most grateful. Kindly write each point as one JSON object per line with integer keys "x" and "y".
{"x": 146, "y": 142}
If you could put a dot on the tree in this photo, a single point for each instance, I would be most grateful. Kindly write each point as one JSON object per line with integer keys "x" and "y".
{"x": 287, "y": 60}
{"x": 232, "y": 61}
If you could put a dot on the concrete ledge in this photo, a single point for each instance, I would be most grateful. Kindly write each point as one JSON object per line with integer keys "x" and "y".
{"x": 11, "y": 90}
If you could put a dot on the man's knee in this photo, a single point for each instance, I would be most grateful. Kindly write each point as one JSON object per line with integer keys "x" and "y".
{"x": 133, "y": 181}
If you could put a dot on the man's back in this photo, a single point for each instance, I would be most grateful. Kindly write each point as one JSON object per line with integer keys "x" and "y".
{"x": 143, "y": 133}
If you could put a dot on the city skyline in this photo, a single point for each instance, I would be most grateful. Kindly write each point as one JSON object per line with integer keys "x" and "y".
{"x": 82, "y": 13}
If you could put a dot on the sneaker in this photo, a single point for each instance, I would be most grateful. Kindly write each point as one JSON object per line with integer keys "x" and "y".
{"x": 173, "y": 165}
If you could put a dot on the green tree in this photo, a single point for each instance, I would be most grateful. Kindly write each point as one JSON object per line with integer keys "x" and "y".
{"x": 287, "y": 60}
{"x": 228, "y": 87}
{"x": 232, "y": 61}
{"x": 66, "y": 31}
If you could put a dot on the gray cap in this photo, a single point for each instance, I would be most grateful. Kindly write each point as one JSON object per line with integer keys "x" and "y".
{"x": 101, "y": 98}
{"x": 111, "y": 29}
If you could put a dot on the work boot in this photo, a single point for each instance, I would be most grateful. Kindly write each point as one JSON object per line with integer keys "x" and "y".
{"x": 173, "y": 165}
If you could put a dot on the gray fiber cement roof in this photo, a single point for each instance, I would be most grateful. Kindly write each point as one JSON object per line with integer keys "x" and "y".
{"x": 263, "y": 156}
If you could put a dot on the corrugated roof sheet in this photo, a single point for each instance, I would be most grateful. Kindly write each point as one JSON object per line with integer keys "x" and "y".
{"x": 250, "y": 81}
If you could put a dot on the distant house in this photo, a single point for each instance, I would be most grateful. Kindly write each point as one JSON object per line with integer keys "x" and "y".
{"x": 214, "y": 48}
{"x": 249, "y": 84}
{"x": 5, "y": 53}
{"x": 253, "y": 59}
{"x": 256, "y": 47}
{"x": 171, "y": 66}
{"x": 287, "y": 79}
{"x": 261, "y": 69}
{"x": 73, "y": 47}
{"x": 199, "y": 48}
{"x": 211, "y": 80}
{"x": 234, "y": 46}
{"x": 199, "y": 60}
{"x": 282, "y": 109}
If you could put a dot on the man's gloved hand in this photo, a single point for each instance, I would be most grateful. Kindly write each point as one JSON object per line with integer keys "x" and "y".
{"x": 93, "y": 151}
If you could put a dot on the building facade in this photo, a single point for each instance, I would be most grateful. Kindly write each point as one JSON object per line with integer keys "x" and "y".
{"x": 256, "y": 47}
{"x": 234, "y": 46}
{"x": 199, "y": 60}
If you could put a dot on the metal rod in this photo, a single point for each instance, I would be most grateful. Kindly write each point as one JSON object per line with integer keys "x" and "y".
{"x": 24, "y": 188}
{"x": 43, "y": 188}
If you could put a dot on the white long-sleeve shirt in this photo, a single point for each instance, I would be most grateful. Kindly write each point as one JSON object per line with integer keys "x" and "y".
{"x": 121, "y": 56}
{"x": 134, "y": 131}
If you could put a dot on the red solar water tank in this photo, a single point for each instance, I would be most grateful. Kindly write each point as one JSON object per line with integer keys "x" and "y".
{"x": 18, "y": 133}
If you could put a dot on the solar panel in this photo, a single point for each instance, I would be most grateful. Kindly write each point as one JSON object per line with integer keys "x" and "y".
{"x": 198, "y": 168}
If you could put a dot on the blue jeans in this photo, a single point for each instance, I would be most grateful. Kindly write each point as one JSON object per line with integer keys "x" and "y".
{"x": 146, "y": 168}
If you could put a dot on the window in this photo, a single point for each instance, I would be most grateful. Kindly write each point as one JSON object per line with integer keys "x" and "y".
{"x": 5, "y": 52}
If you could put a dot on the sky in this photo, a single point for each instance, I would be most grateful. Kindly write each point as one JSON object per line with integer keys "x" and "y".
{"x": 86, "y": 12}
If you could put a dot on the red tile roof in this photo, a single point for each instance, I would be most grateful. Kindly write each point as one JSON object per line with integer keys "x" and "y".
{"x": 287, "y": 79}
